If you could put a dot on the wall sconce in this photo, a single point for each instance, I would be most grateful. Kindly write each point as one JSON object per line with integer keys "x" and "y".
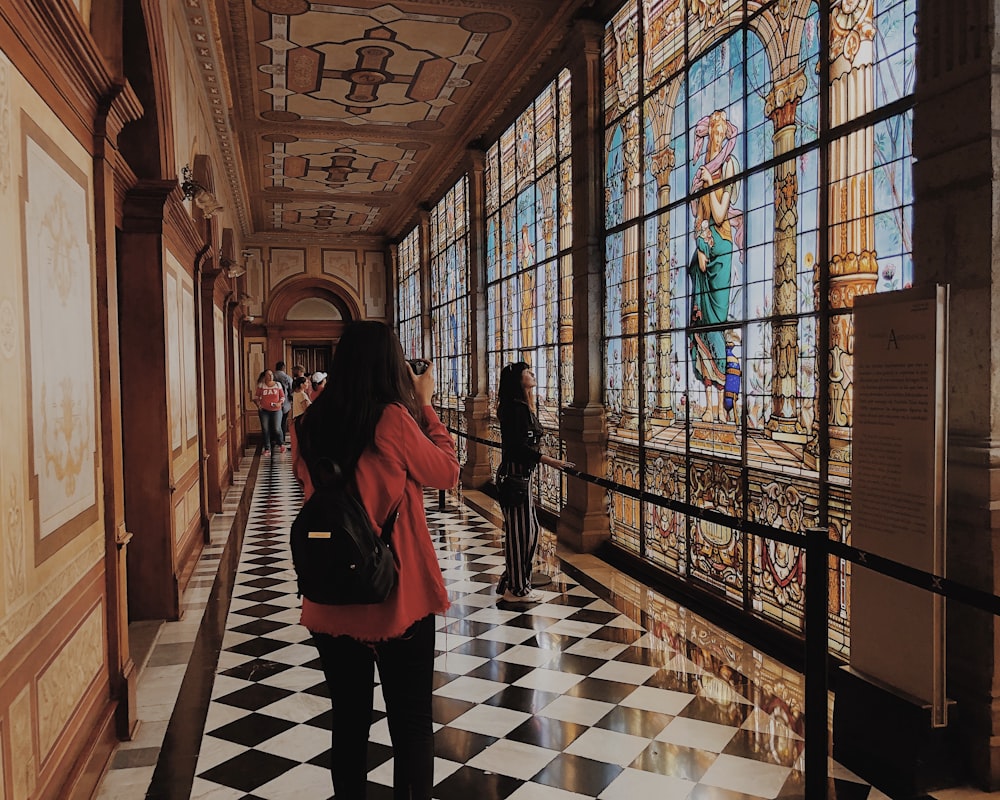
{"x": 233, "y": 269}
{"x": 203, "y": 198}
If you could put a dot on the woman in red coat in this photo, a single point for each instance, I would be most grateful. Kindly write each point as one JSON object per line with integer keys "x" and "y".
{"x": 376, "y": 421}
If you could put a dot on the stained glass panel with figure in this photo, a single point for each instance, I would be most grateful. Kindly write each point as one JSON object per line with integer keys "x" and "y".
{"x": 713, "y": 360}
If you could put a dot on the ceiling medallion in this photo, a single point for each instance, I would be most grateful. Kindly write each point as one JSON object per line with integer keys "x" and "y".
{"x": 280, "y": 116}
{"x": 290, "y": 7}
{"x": 484, "y": 23}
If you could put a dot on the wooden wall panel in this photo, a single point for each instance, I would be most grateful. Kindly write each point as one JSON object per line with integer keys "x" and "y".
{"x": 53, "y": 693}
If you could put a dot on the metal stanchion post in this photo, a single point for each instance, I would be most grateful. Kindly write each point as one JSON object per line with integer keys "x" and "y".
{"x": 817, "y": 680}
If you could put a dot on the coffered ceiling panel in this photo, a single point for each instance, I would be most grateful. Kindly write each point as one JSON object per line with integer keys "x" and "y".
{"x": 350, "y": 115}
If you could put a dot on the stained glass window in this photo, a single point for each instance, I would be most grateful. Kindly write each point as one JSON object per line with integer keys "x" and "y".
{"x": 723, "y": 257}
{"x": 408, "y": 306}
{"x": 528, "y": 269}
{"x": 449, "y": 280}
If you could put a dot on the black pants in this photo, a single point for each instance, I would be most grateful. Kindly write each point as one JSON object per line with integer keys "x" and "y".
{"x": 406, "y": 669}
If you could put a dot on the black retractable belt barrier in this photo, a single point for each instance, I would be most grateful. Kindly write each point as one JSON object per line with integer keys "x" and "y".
{"x": 817, "y": 710}
{"x": 819, "y": 548}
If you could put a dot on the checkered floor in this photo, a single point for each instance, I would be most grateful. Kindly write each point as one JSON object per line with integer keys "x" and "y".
{"x": 580, "y": 696}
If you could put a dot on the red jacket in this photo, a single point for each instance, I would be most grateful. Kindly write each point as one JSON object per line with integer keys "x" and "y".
{"x": 403, "y": 461}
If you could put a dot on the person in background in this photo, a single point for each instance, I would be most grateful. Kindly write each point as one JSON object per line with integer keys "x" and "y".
{"x": 520, "y": 441}
{"x": 318, "y": 384}
{"x": 299, "y": 371}
{"x": 300, "y": 402}
{"x": 376, "y": 422}
{"x": 285, "y": 380}
{"x": 269, "y": 397}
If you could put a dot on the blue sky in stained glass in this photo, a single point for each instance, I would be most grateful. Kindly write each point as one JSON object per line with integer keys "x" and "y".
{"x": 807, "y": 113}
{"x": 760, "y": 130}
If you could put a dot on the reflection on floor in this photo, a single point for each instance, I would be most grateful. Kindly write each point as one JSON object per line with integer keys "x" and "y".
{"x": 603, "y": 690}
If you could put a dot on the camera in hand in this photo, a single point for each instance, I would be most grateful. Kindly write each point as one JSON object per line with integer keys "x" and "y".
{"x": 418, "y": 365}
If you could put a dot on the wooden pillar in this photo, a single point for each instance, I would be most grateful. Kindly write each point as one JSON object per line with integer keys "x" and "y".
{"x": 152, "y": 567}
{"x": 583, "y": 523}
{"x": 211, "y": 362}
{"x": 116, "y": 110}
{"x": 234, "y": 356}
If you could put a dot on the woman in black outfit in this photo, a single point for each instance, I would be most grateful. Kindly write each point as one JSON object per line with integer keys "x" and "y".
{"x": 520, "y": 439}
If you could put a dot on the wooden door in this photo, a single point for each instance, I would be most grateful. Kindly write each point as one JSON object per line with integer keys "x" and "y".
{"x": 313, "y": 357}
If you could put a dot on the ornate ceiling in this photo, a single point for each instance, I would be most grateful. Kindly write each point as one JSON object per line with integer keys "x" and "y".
{"x": 346, "y": 116}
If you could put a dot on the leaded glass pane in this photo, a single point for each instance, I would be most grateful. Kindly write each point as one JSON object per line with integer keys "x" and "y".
{"x": 666, "y": 530}
{"x": 508, "y": 177}
{"x": 545, "y": 129}
{"x": 895, "y": 46}
{"x": 707, "y": 19}
{"x": 408, "y": 298}
{"x": 893, "y": 201}
{"x": 761, "y": 114}
{"x": 525, "y": 154}
{"x": 615, "y": 176}
{"x": 491, "y": 178}
{"x": 665, "y": 173}
{"x": 563, "y": 122}
{"x": 717, "y": 550}
{"x": 779, "y": 569}
{"x": 839, "y": 611}
{"x": 806, "y": 79}
{"x": 623, "y": 468}
{"x": 566, "y": 204}
{"x": 663, "y": 42}
{"x": 621, "y": 62}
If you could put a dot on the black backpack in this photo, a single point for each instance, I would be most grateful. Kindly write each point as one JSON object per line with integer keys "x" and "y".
{"x": 339, "y": 558}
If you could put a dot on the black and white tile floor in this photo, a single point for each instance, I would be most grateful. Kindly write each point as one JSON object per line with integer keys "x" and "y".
{"x": 588, "y": 694}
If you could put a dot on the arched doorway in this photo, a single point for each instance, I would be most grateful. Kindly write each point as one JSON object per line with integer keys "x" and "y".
{"x": 305, "y": 320}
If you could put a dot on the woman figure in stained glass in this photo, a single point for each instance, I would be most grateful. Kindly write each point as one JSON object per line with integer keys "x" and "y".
{"x": 717, "y": 226}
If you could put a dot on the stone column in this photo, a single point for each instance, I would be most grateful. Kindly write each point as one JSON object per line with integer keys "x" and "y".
{"x": 476, "y": 470}
{"x": 956, "y": 239}
{"x": 780, "y": 106}
{"x": 583, "y": 523}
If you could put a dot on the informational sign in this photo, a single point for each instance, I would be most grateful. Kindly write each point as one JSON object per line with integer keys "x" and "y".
{"x": 898, "y": 481}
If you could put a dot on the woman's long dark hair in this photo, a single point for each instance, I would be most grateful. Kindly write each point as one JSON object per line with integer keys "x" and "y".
{"x": 369, "y": 372}
{"x": 510, "y": 389}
